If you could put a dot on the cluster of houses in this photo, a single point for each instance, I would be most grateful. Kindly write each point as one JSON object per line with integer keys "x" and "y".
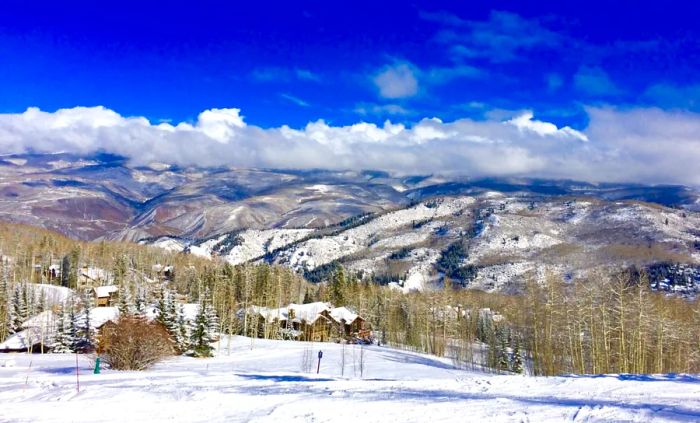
{"x": 89, "y": 276}
{"x": 319, "y": 322}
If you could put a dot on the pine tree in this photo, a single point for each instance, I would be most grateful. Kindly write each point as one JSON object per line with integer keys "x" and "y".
{"x": 183, "y": 331}
{"x": 85, "y": 336}
{"x": 5, "y": 306}
{"x": 18, "y": 310}
{"x": 502, "y": 351}
{"x": 204, "y": 327}
{"x": 167, "y": 311}
{"x": 517, "y": 358}
{"x": 63, "y": 342}
{"x": 338, "y": 287}
{"x": 140, "y": 304}
{"x": 125, "y": 304}
{"x": 162, "y": 307}
{"x": 65, "y": 271}
{"x": 68, "y": 340}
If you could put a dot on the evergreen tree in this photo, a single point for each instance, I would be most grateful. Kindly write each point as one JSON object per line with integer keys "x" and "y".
{"x": 140, "y": 304}
{"x": 125, "y": 304}
{"x": 85, "y": 336}
{"x": 502, "y": 348}
{"x": 517, "y": 358}
{"x": 338, "y": 287}
{"x": 167, "y": 311}
{"x": 70, "y": 336}
{"x": 203, "y": 330}
{"x": 63, "y": 341}
{"x": 65, "y": 271}
{"x": 308, "y": 298}
{"x": 41, "y": 304}
{"x": 183, "y": 331}
{"x": 18, "y": 310}
{"x": 5, "y": 305}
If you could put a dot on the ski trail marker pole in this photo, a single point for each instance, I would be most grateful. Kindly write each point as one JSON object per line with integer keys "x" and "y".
{"x": 77, "y": 373}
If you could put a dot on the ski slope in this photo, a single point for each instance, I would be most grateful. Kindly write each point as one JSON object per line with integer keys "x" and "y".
{"x": 263, "y": 381}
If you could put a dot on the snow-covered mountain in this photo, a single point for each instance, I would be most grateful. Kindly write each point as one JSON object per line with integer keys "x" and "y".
{"x": 490, "y": 241}
{"x": 410, "y": 230}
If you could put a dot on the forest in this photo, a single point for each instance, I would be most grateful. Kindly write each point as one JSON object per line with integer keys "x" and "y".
{"x": 610, "y": 322}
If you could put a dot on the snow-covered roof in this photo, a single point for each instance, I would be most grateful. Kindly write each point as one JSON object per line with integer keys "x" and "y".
{"x": 308, "y": 313}
{"x": 105, "y": 291}
{"x": 101, "y": 315}
{"x": 343, "y": 314}
{"x": 52, "y": 293}
{"x": 45, "y": 319}
{"x": 95, "y": 273}
{"x": 24, "y": 339}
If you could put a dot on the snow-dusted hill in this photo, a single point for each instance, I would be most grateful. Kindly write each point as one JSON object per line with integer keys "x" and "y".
{"x": 263, "y": 381}
{"x": 103, "y": 196}
{"x": 395, "y": 227}
{"x": 506, "y": 239}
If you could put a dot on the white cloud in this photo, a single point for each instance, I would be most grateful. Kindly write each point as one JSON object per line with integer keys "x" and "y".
{"x": 638, "y": 145}
{"x": 525, "y": 122}
{"x": 504, "y": 37}
{"x": 396, "y": 81}
{"x": 295, "y": 100}
{"x": 404, "y": 79}
{"x": 366, "y": 109}
{"x": 306, "y": 75}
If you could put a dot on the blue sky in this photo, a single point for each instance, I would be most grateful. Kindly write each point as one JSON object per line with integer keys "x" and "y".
{"x": 595, "y": 91}
{"x": 344, "y": 62}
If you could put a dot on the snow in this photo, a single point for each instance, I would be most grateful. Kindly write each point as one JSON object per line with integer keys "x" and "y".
{"x": 52, "y": 293}
{"x": 316, "y": 252}
{"x": 257, "y": 243}
{"x": 101, "y": 315}
{"x": 308, "y": 313}
{"x": 170, "y": 244}
{"x": 343, "y": 314}
{"x": 263, "y": 381}
{"x": 24, "y": 339}
{"x": 105, "y": 291}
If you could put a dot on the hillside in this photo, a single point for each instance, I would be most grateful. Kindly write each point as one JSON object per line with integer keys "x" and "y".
{"x": 263, "y": 381}
{"x": 411, "y": 231}
{"x": 490, "y": 241}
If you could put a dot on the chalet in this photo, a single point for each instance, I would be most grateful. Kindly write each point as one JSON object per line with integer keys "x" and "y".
{"x": 93, "y": 276}
{"x": 105, "y": 295}
{"x": 350, "y": 324}
{"x": 319, "y": 322}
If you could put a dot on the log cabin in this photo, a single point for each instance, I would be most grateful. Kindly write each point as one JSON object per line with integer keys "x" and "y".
{"x": 319, "y": 322}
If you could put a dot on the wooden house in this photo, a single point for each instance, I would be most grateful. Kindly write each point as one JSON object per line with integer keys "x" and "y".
{"x": 105, "y": 296}
{"x": 318, "y": 322}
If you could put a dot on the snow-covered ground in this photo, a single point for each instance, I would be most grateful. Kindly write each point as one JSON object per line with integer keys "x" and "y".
{"x": 263, "y": 381}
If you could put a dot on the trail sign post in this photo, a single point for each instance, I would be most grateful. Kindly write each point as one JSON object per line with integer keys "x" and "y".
{"x": 97, "y": 366}
{"x": 320, "y": 356}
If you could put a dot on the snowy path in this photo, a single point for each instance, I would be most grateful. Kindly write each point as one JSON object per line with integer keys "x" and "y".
{"x": 265, "y": 384}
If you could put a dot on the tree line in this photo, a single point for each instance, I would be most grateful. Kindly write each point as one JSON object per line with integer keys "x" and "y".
{"x": 611, "y": 322}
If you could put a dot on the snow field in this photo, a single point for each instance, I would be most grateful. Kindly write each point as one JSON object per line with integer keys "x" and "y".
{"x": 261, "y": 381}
